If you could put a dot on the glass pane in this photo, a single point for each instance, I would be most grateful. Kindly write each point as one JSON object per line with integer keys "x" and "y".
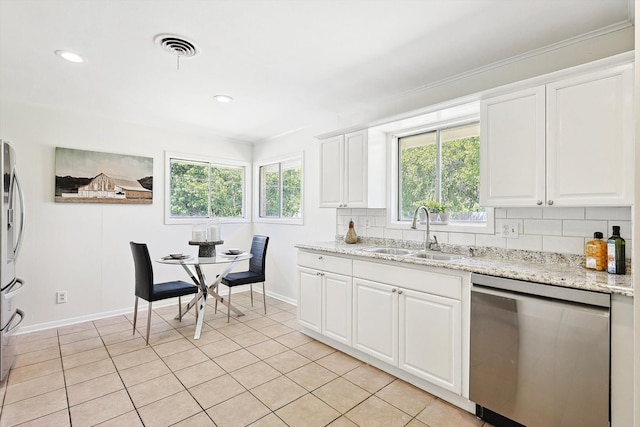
{"x": 418, "y": 172}
{"x": 227, "y": 184}
{"x": 460, "y": 153}
{"x": 270, "y": 191}
{"x": 189, "y": 188}
{"x": 292, "y": 190}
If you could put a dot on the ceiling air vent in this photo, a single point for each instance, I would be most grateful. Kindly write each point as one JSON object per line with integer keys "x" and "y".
{"x": 176, "y": 45}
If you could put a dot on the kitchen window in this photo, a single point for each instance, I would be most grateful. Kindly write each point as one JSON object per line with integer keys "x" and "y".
{"x": 441, "y": 167}
{"x": 279, "y": 191}
{"x": 199, "y": 189}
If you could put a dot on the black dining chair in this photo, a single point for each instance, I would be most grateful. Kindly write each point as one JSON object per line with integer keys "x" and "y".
{"x": 255, "y": 274}
{"x": 148, "y": 291}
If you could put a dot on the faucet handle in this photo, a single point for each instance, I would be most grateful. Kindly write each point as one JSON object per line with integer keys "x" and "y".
{"x": 434, "y": 246}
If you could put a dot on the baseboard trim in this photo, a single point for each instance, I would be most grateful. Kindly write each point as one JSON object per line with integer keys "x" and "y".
{"x": 104, "y": 314}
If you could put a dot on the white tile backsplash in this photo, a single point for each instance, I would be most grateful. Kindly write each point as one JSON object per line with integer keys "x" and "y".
{"x": 563, "y": 245}
{"x": 525, "y": 213}
{"x": 462, "y": 239}
{"x": 563, "y": 213}
{"x": 491, "y": 240}
{"x": 393, "y": 233}
{"x": 526, "y": 243}
{"x": 618, "y": 213}
{"x": 584, "y": 228}
{"x": 500, "y": 213}
{"x": 549, "y": 229}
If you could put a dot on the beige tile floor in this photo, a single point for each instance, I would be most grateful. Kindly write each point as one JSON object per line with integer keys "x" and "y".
{"x": 256, "y": 370}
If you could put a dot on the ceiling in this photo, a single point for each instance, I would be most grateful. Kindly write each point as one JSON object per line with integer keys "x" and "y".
{"x": 286, "y": 63}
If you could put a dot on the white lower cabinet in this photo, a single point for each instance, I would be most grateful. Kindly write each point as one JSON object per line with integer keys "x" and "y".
{"x": 324, "y": 295}
{"x": 415, "y": 331}
{"x": 409, "y": 318}
{"x": 430, "y": 338}
{"x": 375, "y": 325}
{"x": 336, "y": 307}
{"x": 309, "y": 298}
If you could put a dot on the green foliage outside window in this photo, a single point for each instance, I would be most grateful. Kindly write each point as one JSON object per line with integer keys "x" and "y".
{"x": 197, "y": 187}
{"x": 281, "y": 190}
{"x": 226, "y": 192}
{"x": 292, "y": 193}
{"x": 444, "y": 172}
{"x": 189, "y": 189}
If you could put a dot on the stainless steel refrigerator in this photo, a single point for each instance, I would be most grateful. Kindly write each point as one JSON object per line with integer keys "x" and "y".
{"x": 11, "y": 234}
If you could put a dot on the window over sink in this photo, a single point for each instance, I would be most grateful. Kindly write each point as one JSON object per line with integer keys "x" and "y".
{"x": 440, "y": 169}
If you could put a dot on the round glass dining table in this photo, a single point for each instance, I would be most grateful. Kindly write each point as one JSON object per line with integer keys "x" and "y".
{"x": 193, "y": 267}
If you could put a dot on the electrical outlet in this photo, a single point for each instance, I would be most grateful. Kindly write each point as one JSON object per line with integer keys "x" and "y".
{"x": 509, "y": 229}
{"x": 61, "y": 297}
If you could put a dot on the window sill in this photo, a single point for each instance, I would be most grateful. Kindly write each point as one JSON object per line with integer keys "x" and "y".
{"x": 281, "y": 221}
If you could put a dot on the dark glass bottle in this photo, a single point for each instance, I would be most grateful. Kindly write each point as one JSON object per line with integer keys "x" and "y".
{"x": 615, "y": 253}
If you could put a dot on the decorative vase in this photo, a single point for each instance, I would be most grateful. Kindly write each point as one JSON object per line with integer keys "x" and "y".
{"x": 433, "y": 217}
{"x": 351, "y": 236}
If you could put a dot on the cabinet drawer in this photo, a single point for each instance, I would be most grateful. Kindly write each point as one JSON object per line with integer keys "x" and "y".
{"x": 320, "y": 261}
{"x": 446, "y": 285}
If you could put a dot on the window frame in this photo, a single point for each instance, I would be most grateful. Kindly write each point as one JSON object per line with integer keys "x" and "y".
{"x": 257, "y": 190}
{"x": 211, "y": 161}
{"x": 393, "y": 208}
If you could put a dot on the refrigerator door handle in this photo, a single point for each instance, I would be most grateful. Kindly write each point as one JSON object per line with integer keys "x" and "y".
{"x": 14, "y": 328}
{"x": 16, "y": 250}
{"x": 12, "y": 290}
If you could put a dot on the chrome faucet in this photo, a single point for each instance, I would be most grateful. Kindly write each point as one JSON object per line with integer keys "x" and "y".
{"x": 427, "y": 237}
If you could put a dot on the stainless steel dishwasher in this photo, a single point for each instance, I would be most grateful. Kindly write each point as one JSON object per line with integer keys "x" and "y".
{"x": 539, "y": 354}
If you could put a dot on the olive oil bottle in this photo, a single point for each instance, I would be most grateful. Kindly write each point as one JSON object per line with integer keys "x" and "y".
{"x": 615, "y": 253}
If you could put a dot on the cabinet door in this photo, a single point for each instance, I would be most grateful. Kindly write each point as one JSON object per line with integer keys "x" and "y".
{"x": 356, "y": 178}
{"x": 431, "y": 338}
{"x": 375, "y": 328}
{"x": 332, "y": 172}
{"x": 309, "y": 298}
{"x": 512, "y": 149}
{"x": 590, "y": 139}
{"x": 337, "y": 307}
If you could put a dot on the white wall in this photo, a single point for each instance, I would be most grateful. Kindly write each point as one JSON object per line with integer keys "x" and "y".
{"x": 319, "y": 224}
{"x": 84, "y": 248}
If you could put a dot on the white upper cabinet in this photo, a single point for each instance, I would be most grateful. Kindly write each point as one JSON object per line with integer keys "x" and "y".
{"x": 569, "y": 143}
{"x": 352, "y": 171}
{"x": 512, "y": 149}
{"x": 590, "y": 139}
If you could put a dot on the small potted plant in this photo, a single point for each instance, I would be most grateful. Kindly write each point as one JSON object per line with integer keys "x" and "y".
{"x": 437, "y": 213}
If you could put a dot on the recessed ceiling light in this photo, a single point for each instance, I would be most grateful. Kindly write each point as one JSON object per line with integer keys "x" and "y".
{"x": 223, "y": 98}
{"x": 70, "y": 56}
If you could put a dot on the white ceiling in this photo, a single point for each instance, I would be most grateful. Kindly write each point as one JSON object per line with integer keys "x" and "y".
{"x": 286, "y": 63}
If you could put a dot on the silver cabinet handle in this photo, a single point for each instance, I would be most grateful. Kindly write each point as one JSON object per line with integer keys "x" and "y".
{"x": 394, "y": 290}
{"x": 550, "y": 202}
{"x": 539, "y": 203}
{"x": 320, "y": 257}
{"x": 400, "y": 292}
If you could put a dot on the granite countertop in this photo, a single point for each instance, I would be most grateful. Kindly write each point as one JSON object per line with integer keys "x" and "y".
{"x": 551, "y": 269}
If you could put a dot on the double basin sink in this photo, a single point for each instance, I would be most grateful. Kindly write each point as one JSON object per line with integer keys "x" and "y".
{"x": 433, "y": 255}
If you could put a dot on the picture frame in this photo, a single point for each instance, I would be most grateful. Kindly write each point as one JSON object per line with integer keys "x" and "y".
{"x": 84, "y": 176}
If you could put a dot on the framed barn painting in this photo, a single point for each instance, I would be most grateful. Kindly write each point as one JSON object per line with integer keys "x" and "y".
{"x": 95, "y": 177}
